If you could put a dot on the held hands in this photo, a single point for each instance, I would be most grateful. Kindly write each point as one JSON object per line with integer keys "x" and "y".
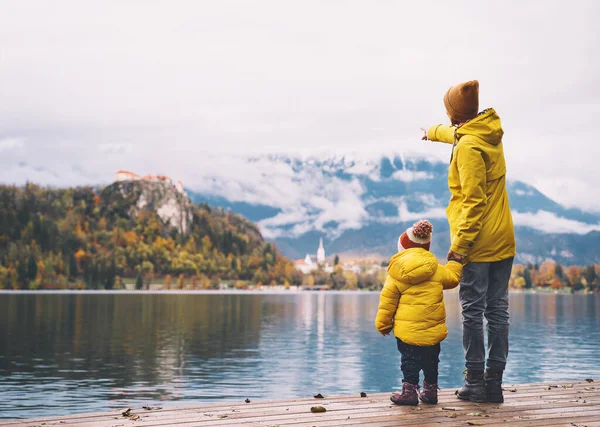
{"x": 453, "y": 256}
{"x": 386, "y": 332}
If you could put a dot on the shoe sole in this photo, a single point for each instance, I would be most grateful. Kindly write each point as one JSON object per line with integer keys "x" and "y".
{"x": 473, "y": 399}
{"x": 405, "y": 403}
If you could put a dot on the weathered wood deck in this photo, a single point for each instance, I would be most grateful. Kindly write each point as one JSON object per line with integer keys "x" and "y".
{"x": 552, "y": 404}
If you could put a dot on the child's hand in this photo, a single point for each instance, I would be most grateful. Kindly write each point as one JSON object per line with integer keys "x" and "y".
{"x": 424, "y": 137}
{"x": 453, "y": 256}
{"x": 386, "y": 332}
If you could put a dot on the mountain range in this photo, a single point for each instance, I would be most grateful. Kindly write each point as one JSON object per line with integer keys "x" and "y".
{"x": 360, "y": 206}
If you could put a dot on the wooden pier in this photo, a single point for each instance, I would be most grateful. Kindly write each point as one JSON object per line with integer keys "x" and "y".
{"x": 573, "y": 404}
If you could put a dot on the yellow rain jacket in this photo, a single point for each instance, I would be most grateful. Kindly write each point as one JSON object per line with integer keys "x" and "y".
{"x": 481, "y": 224}
{"x": 412, "y": 299}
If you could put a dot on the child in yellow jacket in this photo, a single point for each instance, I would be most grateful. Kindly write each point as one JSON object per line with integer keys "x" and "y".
{"x": 412, "y": 305}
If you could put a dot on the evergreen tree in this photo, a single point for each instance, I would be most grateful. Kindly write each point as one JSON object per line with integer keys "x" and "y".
{"x": 559, "y": 272}
{"x": 336, "y": 260}
{"x": 139, "y": 281}
{"x": 7, "y": 281}
{"x": 31, "y": 268}
{"x": 87, "y": 276}
{"x": 72, "y": 267}
{"x": 589, "y": 273}
{"x": 111, "y": 274}
{"x": 94, "y": 276}
{"x": 527, "y": 277}
{"x": 22, "y": 275}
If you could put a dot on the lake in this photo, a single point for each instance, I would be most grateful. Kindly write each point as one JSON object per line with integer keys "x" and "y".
{"x": 64, "y": 353}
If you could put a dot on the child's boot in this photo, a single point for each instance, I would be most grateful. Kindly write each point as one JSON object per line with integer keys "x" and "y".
{"x": 474, "y": 388}
{"x": 409, "y": 395}
{"x": 493, "y": 385}
{"x": 429, "y": 393}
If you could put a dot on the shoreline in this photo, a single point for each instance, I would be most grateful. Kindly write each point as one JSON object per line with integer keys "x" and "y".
{"x": 241, "y": 292}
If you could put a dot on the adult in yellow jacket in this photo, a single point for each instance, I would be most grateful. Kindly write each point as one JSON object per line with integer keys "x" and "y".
{"x": 412, "y": 305}
{"x": 482, "y": 233}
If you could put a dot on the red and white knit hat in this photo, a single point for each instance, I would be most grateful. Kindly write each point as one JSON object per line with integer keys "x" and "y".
{"x": 417, "y": 236}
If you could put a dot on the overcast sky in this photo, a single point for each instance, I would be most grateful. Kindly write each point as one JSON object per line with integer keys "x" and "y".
{"x": 87, "y": 87}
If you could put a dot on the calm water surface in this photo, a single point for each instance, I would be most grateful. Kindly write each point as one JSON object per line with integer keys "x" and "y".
{"x": 69, "y": 353}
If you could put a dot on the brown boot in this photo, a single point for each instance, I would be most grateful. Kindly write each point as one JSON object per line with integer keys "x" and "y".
{"x": 409, "y": 395}
{"x": 429, "y": 393}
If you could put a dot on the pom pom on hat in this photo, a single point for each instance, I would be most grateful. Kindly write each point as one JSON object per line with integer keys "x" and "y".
{"x": 417, "y": 236}
{"x": 422, "y": 229}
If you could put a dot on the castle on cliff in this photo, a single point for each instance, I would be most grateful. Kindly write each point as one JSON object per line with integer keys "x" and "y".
{"x": 123, "y": 175}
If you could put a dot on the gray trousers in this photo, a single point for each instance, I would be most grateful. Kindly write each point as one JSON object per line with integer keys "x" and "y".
{"x": 484, "y": 292}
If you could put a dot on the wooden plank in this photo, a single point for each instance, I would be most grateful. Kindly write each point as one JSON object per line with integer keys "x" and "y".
{"x": 356, "y": 404}
{"x": 303, "y": 408}
{"x": 531, "y": 404}
{"x": 523, "y": 390}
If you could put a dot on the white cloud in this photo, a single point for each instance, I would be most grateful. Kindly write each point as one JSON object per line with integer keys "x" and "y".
{"x": 409, "y": 175}
{"x": 551, "y": 223}
{"x": 405, "y": 215}
{"x": 11, "y": 144}
{"x": 177, "y": 80}
{"x": 115, "y": 148}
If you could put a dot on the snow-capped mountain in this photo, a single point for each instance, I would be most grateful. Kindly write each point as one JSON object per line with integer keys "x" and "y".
{"x": 360, "y": 206}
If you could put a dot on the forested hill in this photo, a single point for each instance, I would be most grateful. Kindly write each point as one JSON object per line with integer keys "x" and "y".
{"x": 91, "y": 238}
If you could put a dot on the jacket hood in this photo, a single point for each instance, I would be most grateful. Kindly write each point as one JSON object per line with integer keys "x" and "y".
{"x": 413, "y": 266}
{"x": 486, "y": 126}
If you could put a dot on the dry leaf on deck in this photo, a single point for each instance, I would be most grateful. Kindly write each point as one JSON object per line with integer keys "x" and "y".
{"x": 317, "y": 409}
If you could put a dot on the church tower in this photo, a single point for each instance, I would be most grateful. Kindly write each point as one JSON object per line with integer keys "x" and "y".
{"x": 321, "y": 253}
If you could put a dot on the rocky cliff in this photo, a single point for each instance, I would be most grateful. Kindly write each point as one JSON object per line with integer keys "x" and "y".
{"x": 172, "y": 206}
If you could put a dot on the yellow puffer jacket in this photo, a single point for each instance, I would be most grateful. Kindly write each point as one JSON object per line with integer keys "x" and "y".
{"x": 412, "y": 299}
{"x": 481, "y": 224}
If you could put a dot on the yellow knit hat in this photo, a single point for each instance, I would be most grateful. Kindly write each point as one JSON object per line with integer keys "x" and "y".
{"x": 462, "y": 101}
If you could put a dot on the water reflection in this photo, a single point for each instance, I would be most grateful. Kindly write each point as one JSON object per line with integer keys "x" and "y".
{"x": 65, "y": 353}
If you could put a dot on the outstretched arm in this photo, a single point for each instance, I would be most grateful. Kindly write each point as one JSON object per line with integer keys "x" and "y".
{"x": 388, "y": 304}
{"x": 441, "y": 133}
{"x": 451, "y": 274}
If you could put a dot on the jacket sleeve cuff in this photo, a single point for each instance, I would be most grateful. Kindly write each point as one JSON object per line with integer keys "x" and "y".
{"x": 461, "y": 246}
{"x": 431, "y": 133}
